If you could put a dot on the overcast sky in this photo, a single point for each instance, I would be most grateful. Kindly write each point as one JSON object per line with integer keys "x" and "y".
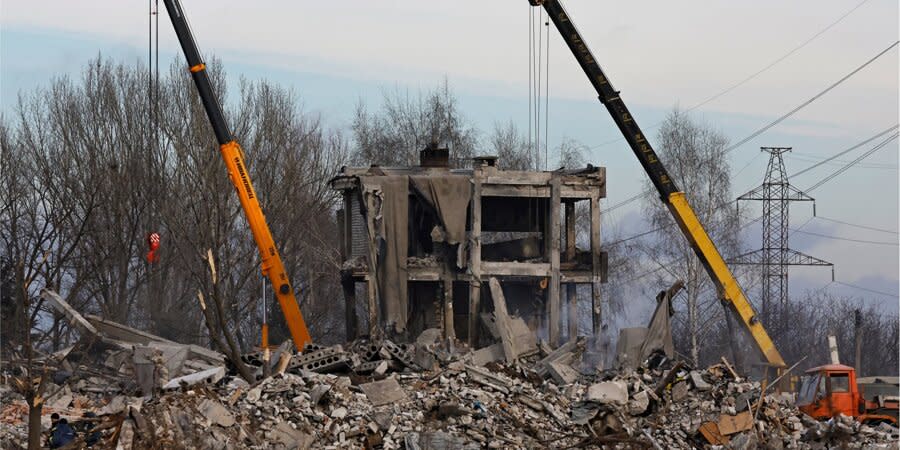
{"x": 658, "y": 53}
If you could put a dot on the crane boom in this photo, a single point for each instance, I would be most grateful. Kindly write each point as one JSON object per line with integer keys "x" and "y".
{"x": 676, "y": 201}
{"x": 233, "y": 155}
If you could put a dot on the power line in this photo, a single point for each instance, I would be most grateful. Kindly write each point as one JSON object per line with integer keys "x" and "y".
{"x": 821, "y": 181}
{"x": 866, "y": 289}
{"x": 844, "y": 152}
{"x": 755, "y": 74}
{"x": 801, "y": 172}
{"x": 626, "y": 201}
{"x": 782, "y": 118}
{"x": 808, "y": 102}
{"x": 865, "y": 227}
{"x": 782, "y": 58}
{"x": 679, "y": 259}
{"x": 838, "y": 238}
{"x": 828, "y": 178}
{"x": 837, "y": 162}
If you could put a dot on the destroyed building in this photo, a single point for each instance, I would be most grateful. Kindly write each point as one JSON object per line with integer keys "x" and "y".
{"x": 419, "y": 244}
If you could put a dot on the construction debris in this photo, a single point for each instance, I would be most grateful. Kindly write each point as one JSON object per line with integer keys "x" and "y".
{"x": 375, "y": 393}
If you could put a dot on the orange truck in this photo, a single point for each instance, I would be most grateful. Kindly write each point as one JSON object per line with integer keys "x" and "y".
{"x": 830, "y": 390}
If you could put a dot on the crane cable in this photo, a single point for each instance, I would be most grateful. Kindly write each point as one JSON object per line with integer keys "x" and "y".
{"x": 539, "y": 87}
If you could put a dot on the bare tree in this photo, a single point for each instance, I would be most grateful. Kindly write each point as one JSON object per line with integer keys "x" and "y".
{"x": 85, "y": 180}
{"x": 511, "y": 147}
{"x": 571, "y": 153}
{"x": 819, "y": 314}
{"x": 407, "y": 123}
{"x": 696, "y": 159}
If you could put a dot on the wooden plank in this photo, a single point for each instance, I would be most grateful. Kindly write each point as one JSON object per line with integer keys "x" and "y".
{"x": 710, "y": 432}
{"x": 515, "y": 269}
{"x": 596, "y": 312}
{"x": 474, "y": 269}
{"x": 553, "y": 291}
{"x": 501, "y": 318}
{"x": 729, "y": 425}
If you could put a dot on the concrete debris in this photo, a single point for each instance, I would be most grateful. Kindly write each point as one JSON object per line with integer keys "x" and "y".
{"x": 639, "y": 403}
{"x": 383, "y": 392}
{"x": 74, "y": 318}
{"x": 375, "y": 393}
{"x": 608, "y": 392}
{"x": 206, "y": 376}
{"x": 563, "y": 373}
{"x": 216, "y": 413}
{"x": 487, "y": 354}
{"x": 698, "y": 381}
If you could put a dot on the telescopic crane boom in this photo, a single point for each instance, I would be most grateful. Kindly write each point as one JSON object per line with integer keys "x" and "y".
{"x": 272, "y": 266}
{"x": 675, "y": 200}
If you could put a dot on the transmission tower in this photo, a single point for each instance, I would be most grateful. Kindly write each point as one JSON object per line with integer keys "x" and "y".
{"x": 775, "y": 256}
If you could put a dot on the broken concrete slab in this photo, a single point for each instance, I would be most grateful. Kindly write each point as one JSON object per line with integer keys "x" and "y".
{"x": 699, "y": 383}
{"x": 125, "y": 333}
{"x": 383, "y": 392}
{"x": 437, "y": 440}
{"x": 563, "y": 351}
{"x": 75, "y": 319}
{"x": 207, "y": 376}
{"x": 628, "y": 347}
{"x": 525, "y": 340}
{"x": 289, "y": 437}
{"x": 339, "y": 413}
{"x": 679, "y": 391}
{"x": 486, "y": 378}
{"x": 144, "y": 368}
{"x": 502, "y": 319}
{"x": 608, "y": 392}
{"x": 115, "y": 406}
{"x": 318, "y": 391}
{"x": 563, "y": 373}
{"x": 487, "y": 354}
{"x": 173, "y": 356}
{"x": 639, "y": 403}
{"x": 216, "y": 413}
{"x": 381, "y": 368}
{"x": 423, "y": 358}
{"x": 430, "y": 336}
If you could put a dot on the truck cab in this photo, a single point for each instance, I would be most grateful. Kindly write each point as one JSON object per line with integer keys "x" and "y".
{"x": 830, "y": 390}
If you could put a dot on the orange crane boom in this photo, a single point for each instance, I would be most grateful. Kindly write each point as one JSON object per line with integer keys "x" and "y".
{"x": 233, "y": 155}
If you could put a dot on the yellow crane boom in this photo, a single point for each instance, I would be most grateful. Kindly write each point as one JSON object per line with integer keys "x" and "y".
{"x": 675, "y": 200}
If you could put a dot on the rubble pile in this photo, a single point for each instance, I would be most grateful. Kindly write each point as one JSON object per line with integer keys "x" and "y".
{"x": 122, "y": 388}
{"x": 547, "y": 400}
